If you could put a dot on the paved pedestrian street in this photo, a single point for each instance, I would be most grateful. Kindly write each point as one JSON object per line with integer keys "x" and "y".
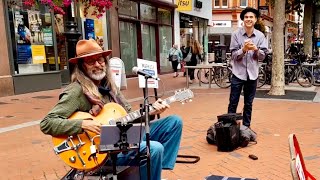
{"x": 26, "y": 153}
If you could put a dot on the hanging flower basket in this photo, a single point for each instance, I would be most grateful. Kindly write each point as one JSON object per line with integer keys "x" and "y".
{"x": 99, "y": 6}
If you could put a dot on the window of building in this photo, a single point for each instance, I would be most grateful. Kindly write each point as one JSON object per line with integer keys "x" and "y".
{"x": 216, "y": 4}
{"x": 149, "y": 36}
{"x": 224, "y": 3}
{"x": 31, "y": 31}
{"x": 165, "y": 44}
{"x": 243, "y": 3}
{"x": 164, "y": 16}
{"x": 128, "y": 9}
{"x": 128, "y": 44}
{"x": 148, "y": 13}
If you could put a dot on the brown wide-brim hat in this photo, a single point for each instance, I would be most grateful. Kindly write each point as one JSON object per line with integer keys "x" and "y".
{"x": 249, "y": 9}
{"x": 86, "y": 48}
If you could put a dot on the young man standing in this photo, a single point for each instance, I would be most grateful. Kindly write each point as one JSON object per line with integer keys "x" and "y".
{"x": 248, "y": 46}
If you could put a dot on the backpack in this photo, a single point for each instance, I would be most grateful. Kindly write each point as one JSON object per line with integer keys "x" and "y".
{"x": 228, "y": 135}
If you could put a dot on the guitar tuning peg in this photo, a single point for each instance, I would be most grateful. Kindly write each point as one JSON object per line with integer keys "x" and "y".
{"x": 182, "y": 102}
{"x": 190, "y": 100}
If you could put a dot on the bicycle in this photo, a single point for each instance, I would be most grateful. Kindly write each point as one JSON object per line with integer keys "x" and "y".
{"x": 296, "y": 71}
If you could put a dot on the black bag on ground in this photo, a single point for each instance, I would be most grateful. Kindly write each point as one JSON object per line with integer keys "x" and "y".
{"x": 227, "y": 136}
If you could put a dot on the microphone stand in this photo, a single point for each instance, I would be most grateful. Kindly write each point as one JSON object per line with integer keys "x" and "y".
{"x": 147, "y": 127}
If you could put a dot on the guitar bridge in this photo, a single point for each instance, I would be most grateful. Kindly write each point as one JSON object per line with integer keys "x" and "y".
{"x": 64, "y": 146}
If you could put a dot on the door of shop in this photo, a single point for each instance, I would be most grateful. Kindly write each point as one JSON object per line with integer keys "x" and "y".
{"x": 148, "y": 42}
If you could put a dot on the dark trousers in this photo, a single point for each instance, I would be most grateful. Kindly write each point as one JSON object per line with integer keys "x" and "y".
{"x": 175, "y": 65}
{"x": 190, "y": 70}
{"x": 249, "y": 91}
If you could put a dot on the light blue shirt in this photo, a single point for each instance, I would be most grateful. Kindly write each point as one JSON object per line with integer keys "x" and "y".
{"x": 246, "y": 65}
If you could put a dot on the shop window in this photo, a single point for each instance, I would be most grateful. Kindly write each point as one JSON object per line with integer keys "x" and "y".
{"x": 243, "y": 3}
{"x": 148, "y": 38}
{"x": 128, "y": 9}
{"x": 128, "y": 45}
{"x": 165, "y": 43}
{"x": 164, "y": 16}
{"x": 31, "y": 31}
{"x": 148, "y": 13}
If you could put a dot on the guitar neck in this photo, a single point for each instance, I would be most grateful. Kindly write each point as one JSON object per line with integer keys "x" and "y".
{"x": 130, "y": 117}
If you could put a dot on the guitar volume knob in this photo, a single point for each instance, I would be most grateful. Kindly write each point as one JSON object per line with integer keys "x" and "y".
{"x": 72, "y": 159}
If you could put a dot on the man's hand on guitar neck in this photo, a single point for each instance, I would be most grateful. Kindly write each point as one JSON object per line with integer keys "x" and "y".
{"x": 90, "y": 125}
{"x": 159, "y": 107}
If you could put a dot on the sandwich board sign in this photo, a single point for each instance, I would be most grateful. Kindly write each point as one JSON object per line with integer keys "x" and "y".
{"x": 150, "y": 67}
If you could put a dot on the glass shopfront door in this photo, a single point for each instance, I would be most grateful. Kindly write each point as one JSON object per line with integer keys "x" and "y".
{"x": 128, "y": 44}
{"x": 148, "y": 42}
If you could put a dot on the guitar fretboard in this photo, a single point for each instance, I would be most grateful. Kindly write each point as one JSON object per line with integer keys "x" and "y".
{"x": 136, "y": 114}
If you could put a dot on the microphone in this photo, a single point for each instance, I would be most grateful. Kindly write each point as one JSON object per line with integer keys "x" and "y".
{"x": 136, "y": 70}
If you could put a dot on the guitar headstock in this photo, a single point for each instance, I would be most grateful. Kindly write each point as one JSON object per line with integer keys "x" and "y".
{"x": 183, "y": 95}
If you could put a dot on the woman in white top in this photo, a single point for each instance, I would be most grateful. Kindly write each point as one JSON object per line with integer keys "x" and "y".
{"x": 175, "y": 56}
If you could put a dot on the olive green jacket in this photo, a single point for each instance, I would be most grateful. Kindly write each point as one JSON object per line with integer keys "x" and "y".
{"x": 72, "y": 99}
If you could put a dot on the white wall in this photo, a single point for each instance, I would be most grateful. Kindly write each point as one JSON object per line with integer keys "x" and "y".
{"x": 205, "y": 12}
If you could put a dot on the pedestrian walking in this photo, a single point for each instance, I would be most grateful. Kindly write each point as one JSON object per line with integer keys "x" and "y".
{"x": 175, "y": 56}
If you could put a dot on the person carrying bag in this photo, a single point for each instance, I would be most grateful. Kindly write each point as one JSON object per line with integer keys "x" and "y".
{"x": 175, "y": 56}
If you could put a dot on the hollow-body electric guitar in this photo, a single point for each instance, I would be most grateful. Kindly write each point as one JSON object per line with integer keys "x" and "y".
{"x": 81, "y": 151}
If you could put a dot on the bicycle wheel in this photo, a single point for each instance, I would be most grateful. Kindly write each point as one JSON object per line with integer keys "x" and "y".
{"x": 262, "y": 78}
{"x": 222, "y": 77}
{"x": 205, "y": 75}
{"x": 305, "y": 77}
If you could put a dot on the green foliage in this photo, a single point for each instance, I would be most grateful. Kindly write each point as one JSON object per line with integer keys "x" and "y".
{"x": 259, "y": 25}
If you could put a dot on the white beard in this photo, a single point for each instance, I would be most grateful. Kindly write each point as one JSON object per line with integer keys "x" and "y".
{"x": 98, "y": 76}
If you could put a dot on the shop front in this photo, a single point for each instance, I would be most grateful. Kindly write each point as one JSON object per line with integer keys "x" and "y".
{"x": 33, "y": 58}
{"x": 191, "y": 20}
{"x": 145, "y": 31}
{"x": 37, "y": 53}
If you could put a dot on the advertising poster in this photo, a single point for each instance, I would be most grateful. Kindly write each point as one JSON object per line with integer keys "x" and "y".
{"x": 89, "y": 29}
{"x": 35, "y": 26}
{"x": 38, "y": 54}
{"x": 149, "y": 67}
{"x": 98, "y": 32}
{"x": 22, "y": 31}
{"x": 58, "y": 23}
{"x": 24, "y": 54}
{"x": 47, "y": 36}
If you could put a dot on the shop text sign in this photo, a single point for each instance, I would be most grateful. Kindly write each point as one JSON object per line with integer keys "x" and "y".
{"x": 149, "y": 67}
{"x": 184, "y": 5}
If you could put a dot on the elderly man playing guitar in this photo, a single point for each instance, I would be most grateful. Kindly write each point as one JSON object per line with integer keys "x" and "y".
{"x": 91, "y": 89}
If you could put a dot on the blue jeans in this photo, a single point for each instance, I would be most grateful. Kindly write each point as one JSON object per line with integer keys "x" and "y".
{"x": 165, "y": 136}
{"x": 249, "y": 91}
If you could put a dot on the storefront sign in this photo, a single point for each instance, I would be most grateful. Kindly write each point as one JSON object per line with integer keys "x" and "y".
{"x": 38, "y": 54}
{"x": 47, "y": 36}
{"x": 184, "y": 5}
{"x": 149, "y": 67}
{"x": 221, "y": 23}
